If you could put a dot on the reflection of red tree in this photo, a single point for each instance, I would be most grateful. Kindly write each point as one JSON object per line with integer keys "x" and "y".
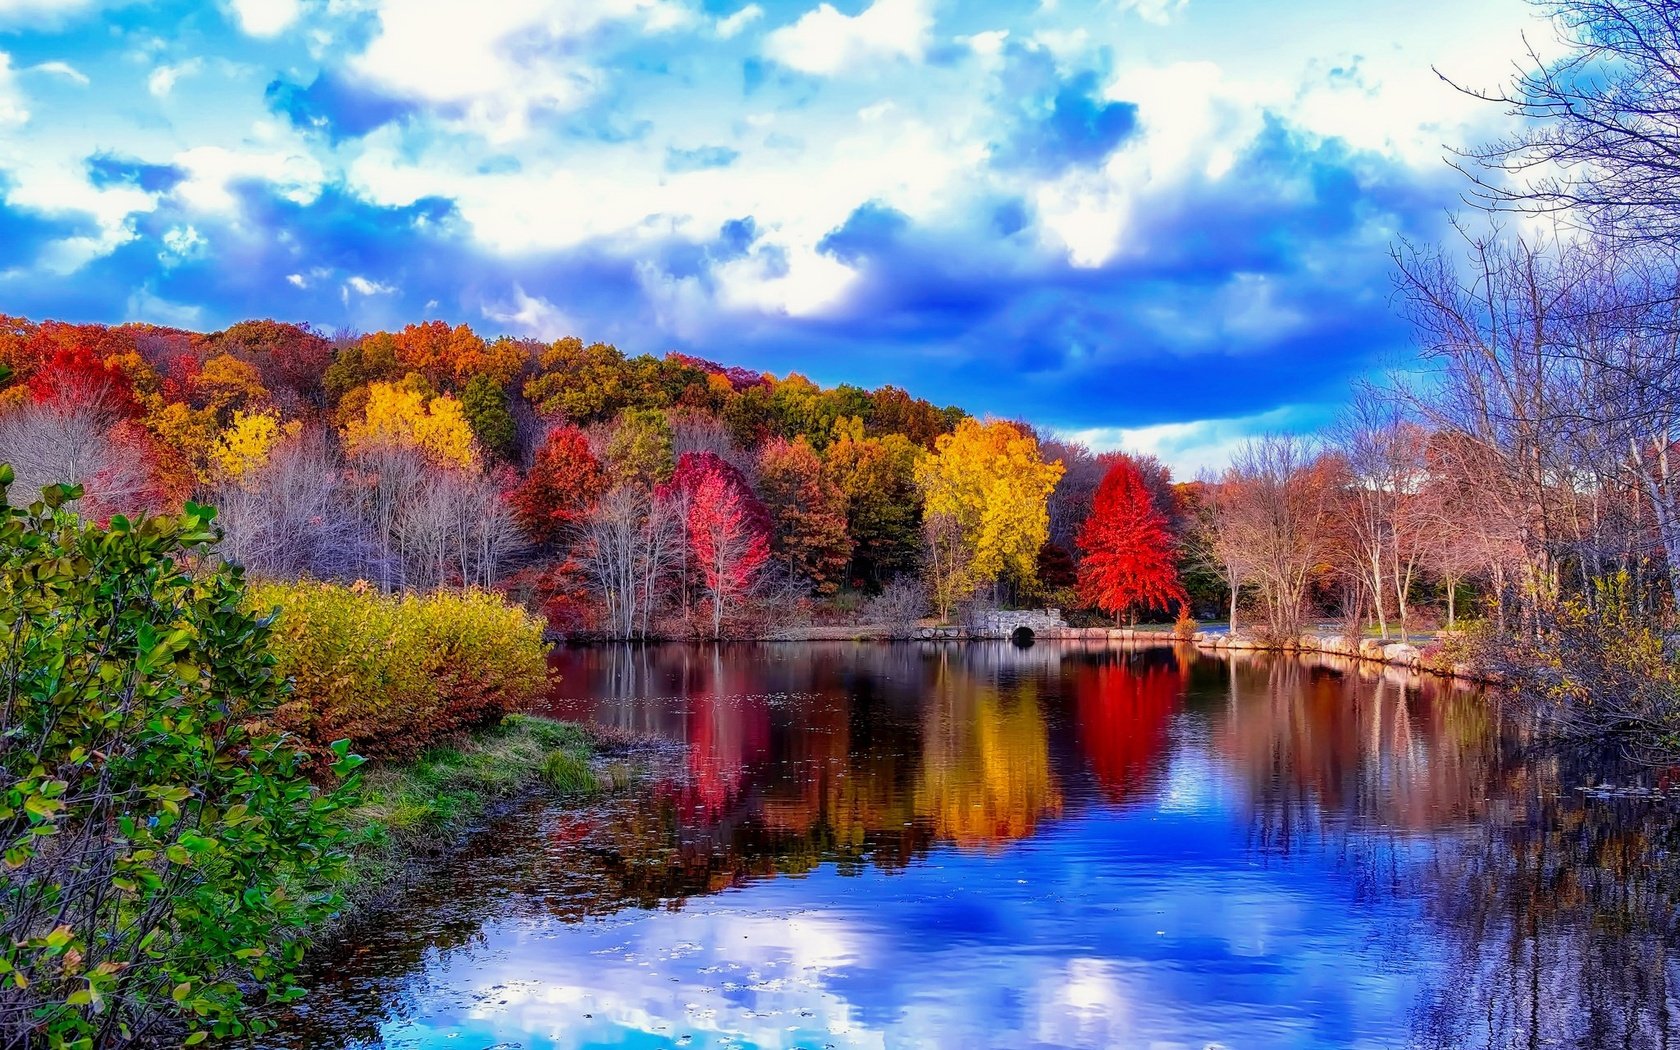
{"x": 1124, "y": 712}
{"x": 728, "y": 730}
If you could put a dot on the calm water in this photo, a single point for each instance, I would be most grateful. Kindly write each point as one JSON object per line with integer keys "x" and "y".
{"x": 908, "y": 846}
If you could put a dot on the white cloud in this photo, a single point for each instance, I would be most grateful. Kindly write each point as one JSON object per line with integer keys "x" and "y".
{"x": 531, "y": 315}
{"x": 363, "y": 286}
{"x": 61, "y": 69}
{"x": 211, "y": 170}
{"x": 181, "y": 242}
{"x": 825, "y": 41}
{"x": 1200, "y": 445}
{"x": 732, "y": 25}
{"x": 492, "y": 69}
{"x": 265, "y": 17}
{"x": 12, "y": 109}
{"x": 163, "y": 78}
{"x": 1159, "y": 12}
{"x": 41, "y": 13}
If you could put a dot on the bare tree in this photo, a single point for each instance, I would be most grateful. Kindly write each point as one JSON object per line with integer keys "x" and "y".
{"x": 1600, "y": 138}
{"x": 56, "y": 443}
{"x": 1383, "y": 455}
{"x": 291, "y": 516}
{"x": 1273, "y": 507}
{"x": 628, "y": 547}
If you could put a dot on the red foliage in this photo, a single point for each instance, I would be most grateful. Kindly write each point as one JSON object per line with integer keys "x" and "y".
{"x": 1124, "y": 713}
{"x": 75, "y": 377}
{"x": 287, "y": 356}
{"x": 562, "y": 487}
{"x": 728, "y": 528}
{"x": 694, "y": 467}
{"x": 1129, "y": 549}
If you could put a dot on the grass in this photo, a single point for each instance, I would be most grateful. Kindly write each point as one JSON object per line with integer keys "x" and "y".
{"x": 412, "y": 811}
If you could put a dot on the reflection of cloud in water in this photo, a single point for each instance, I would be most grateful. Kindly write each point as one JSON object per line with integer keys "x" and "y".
{"x": 1072, "y": 939}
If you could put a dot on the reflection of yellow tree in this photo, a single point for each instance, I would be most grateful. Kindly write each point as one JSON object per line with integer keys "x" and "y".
{"x": 985, "y": 777}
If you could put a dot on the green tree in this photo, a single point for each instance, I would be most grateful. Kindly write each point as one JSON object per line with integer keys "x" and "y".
{"x": 883, "y": 504}
{"x": 487, "y": 413}
{"x": 640, "y": 448}
{"x": 161, "y": 848}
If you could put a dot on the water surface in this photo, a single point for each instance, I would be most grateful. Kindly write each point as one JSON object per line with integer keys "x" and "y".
{"x": 901, "y": 845}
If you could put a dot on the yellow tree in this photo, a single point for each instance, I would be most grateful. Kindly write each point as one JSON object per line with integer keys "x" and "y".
{"x": 402, "y": 416}
{"x": 985, "y": 491}
{"x": 247, "y": 442}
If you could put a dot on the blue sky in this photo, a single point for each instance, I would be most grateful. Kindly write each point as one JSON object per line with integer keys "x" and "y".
{"x": 1156, "y": 223}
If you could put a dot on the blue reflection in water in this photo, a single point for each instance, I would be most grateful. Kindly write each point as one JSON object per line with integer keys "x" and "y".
{"x": 1087, "y": 849}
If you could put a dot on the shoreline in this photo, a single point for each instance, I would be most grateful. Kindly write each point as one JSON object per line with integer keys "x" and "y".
{"x": 1373, "y": 651}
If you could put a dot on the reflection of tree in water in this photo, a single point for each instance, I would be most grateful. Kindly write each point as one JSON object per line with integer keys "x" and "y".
{"x": 1557, "y": 917}
{"x": 1548, "y": 916}
{"x": 985, "y": 777}
{"x": 1124, "y": 704}
{"x": 1316, "y": 742}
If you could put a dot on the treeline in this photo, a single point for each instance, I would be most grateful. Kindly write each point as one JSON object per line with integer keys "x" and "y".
{"x": 621, "y": 496}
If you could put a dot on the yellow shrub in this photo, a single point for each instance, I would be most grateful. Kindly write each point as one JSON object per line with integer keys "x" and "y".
{"x": 394, "y": 673}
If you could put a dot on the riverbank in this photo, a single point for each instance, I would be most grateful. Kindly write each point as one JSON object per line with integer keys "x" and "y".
{"x": 1438, "y": 656}
{"x": 413, "y": 814}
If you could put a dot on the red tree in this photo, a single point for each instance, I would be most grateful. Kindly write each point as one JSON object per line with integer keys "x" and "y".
{"x": 1130, "y": 552}
{"x": 809, "y": 513}
{"x": 727, "y": 539}
{"x": 76, "y": 378}
{"x": 563, "y": 485}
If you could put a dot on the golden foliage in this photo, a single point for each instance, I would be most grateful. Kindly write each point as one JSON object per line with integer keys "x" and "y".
{"x": 404, "y": 417}
{"x": 989, "y": 481}
{"x": 393, "y": 673}
{"x": 247, "y": 442}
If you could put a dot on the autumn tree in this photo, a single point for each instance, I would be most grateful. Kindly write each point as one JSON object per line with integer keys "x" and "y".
{"x": 1131, "y": 556}
{"x": 807, "y": 513}
{"x": 485, "y": 406}
{"x": 639, "y": 446}
{"x": 727, "y": 541}
{"x": 986, "y": 488}
{"x": 877, "y": 475}
{"x": 561, "y": 488}
{"x": 403, "y": 416}
{"x": 290, "y": 359}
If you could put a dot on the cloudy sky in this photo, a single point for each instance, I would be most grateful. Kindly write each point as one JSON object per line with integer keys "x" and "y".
{"x": 1163, "y": 223}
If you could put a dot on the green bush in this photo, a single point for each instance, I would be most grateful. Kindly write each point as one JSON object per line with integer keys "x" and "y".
{"x": 160, "y": 848}
{"x": 393, "y": 674}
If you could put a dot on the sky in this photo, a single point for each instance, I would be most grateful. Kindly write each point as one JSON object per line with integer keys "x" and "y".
{"x": 1155, "y": 224}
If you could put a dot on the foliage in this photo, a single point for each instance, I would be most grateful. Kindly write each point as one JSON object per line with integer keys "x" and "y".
{"x": 563, "y": 485}
{"x": 404, "y": 417}
{"x": 74, "y": 377}
{"x": 991, "y": 483}
{"x": 807, "y": 513}
{"x": 1599, "y": 668}
{"x": 877, "y": 475}
{"x": 640, "y": 448}
{"x": 392, "y": 674}
{"x": 247, "y": 443}
{"x": 485, "y": 406}
{"x": 1130, "y": 558}
{"x": 161, "y": 846}
{"x": 728, "y": 539}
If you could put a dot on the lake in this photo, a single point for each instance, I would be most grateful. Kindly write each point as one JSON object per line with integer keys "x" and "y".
{"x": 909, "y": 845}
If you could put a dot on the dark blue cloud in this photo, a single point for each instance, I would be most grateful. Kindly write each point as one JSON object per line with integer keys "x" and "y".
{"x": 870, "y": 230}
{"x": 700, "y": 159}
{"x": 106, "y": 170}
{"x": 1051, "y": 123}
{"x": 335, "y": 105}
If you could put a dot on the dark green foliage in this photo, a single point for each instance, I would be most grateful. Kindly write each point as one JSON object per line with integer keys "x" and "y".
{"x": 485, "y": 406}
{"x": 160, "y": 844}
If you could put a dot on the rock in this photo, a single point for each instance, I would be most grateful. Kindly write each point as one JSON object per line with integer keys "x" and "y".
{"x": 1401, "y": 654}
